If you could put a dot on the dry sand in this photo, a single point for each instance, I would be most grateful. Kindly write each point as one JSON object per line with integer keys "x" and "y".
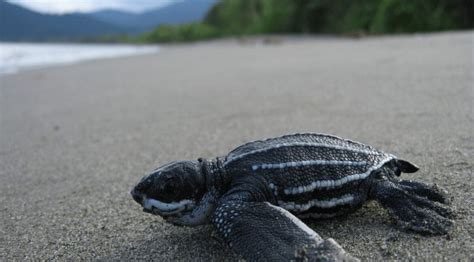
{"x": 75, "y": 139}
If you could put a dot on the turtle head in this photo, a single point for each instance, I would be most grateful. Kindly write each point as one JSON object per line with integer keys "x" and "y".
{"x": 171, "y": 191}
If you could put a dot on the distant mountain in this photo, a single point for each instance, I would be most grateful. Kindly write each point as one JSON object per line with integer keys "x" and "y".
{"x": 175, "y": 13}
{"x": 18, "y": 23}
{"x": 113, "y": 16}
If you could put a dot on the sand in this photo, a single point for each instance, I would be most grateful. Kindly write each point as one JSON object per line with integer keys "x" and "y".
{"x": 76, "y": 138}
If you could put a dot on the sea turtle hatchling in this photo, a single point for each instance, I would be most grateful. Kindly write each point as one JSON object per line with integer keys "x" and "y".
{"x": 254, "y": 195}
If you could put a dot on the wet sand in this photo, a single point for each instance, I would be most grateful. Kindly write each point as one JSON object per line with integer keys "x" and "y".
{"x": 75, "y": 139}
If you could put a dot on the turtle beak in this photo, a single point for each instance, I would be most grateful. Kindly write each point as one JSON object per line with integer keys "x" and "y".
{"x": 137, "y": 196}
{"x": 138, "y": 192}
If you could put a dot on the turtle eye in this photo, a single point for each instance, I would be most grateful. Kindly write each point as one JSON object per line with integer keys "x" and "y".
{"x": 170, "y": 188}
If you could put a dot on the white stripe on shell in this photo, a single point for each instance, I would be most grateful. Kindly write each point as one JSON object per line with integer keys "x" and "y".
{"x": 307, "y": 163}
{"x": 345, "y": 199}
{"x": 327, "y": 184}
{"x": 148, "y": 203}
{"x": 365, "y": 151}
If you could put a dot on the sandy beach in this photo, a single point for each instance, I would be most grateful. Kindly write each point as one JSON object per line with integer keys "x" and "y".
{"x": 75, "y": 139}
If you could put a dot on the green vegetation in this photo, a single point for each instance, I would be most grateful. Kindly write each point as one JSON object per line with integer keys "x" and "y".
{"x": 181, "y": 33}
{"x": 247, "y": 17}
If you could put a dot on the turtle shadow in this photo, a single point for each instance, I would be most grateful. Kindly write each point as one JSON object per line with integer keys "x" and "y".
{"x": 370, "y": 216}
{"x": 358, "y": 232}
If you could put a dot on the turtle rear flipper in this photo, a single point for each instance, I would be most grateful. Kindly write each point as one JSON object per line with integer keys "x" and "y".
{"x": 432, "y": 192}
{"x": 415, "y": 206}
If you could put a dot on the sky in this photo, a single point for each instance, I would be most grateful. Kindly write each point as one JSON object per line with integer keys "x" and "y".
{"x": 67, "y": 6}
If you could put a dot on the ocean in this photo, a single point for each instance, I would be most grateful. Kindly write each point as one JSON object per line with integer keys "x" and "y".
{"x": 16, "y": 57}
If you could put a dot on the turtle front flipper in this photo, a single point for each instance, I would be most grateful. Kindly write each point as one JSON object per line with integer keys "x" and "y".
{"x": 260, "y": 231}
{"x": 415, "y": 206}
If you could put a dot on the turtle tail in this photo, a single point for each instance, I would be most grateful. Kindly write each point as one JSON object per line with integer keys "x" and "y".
{"x": 406, "y": 167}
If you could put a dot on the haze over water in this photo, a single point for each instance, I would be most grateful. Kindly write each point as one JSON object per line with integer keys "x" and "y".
{"x": 19, "y": 56}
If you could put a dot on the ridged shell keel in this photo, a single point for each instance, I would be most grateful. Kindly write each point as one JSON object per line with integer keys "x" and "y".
{"x": 309, "y": 173}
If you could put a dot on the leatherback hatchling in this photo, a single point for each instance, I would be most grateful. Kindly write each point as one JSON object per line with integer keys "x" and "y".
{"x": 254, "y": 195}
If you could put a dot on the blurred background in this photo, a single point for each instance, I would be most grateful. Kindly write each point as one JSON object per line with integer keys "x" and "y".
{"x": 94, "y": 94}
{"x": 165, "y": 21}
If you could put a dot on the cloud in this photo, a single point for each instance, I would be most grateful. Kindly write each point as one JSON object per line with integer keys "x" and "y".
{"x": 67, "y": 6}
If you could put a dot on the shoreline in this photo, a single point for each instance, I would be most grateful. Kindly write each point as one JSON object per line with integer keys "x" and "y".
{"x": 251, "y": 40}
{"x": 18, "y": 57}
